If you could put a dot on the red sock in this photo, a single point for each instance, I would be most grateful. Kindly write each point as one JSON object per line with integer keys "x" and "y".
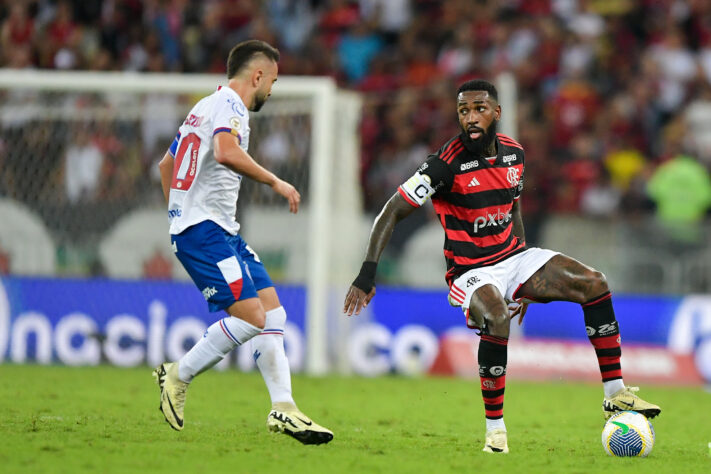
{"x": 604, "y": 334}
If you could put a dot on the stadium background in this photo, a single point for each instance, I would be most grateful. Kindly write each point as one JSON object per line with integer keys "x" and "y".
{"x": 613, "y": 108}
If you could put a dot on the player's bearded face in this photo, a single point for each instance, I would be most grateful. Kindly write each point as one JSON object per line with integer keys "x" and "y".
{"x": 485, "y": 138}
{"x": 259, "y": 99}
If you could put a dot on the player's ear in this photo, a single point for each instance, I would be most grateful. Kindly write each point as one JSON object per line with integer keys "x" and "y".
{"x": 497, "y": 112}
{"x": 257, "y": 76}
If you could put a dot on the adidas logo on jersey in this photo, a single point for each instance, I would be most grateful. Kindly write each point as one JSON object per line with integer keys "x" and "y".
{"x": 473, "y": 183}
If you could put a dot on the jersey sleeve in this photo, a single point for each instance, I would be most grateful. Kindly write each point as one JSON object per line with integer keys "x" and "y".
{"x": 174, "y": 146}
{"x": 432, "y": 177}
{"x": 230, "y": 116}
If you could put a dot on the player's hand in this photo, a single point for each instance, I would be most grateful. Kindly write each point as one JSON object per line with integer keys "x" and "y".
{"x": 518, "y": 309}
{"x": 356, "y": 300}
{"x": 289, "y": 192}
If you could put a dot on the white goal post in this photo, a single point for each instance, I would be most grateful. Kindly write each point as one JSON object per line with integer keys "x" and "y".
{"x": 333, "y": 190}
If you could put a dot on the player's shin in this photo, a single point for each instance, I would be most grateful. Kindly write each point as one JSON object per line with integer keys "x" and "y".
{"x": 219, "y": 339}
{"x": 268, "y": 352}
{"x": 604, "y": 334}
{"x": 492, "y": 372}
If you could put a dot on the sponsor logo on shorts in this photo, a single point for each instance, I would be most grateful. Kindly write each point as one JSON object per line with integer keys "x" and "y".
{"x": 209, "y": 292}
{"x": 473, "y": 280}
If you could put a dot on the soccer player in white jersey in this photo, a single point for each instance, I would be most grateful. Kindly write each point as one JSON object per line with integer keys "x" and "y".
{"x": 201, "y": 175}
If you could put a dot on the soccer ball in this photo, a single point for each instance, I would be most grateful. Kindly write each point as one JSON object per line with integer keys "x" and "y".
{"x": 628, "y": 433}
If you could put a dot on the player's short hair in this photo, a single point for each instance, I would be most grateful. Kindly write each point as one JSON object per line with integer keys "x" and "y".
{"x": 243, "y": 52}
{"x": 479, "y": 85}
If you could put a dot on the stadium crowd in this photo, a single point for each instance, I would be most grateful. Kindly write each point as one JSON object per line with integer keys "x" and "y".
{"x": 609, "y": 90}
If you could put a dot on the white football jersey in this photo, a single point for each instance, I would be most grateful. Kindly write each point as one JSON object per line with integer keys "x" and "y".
{"x": 201, "y": 188}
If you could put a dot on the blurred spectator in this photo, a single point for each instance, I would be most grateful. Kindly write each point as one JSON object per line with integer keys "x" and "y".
{"x": 573, "y": 107}
{"x": 698, "y": 121}
{"x": 676, "y": 66}
{"x": 60, "y": 39}
{"x": 356, "y": 49}
{"x": 457, "y": 55}
{"x": 581, "y": 171}
{"x": 681, "y": 189}
{"x": 294, "y": 19}
{"x": 18, "y": 29}
{"x": 337, "y": 17}
{"x": 600, "y": 199}
{"x": 623, "y": 163}
{"x": 83, "y": 166}
{"x": 391, "y": 17}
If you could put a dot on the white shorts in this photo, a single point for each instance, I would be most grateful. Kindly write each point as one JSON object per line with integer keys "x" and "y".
{"x": 507, "y": 276}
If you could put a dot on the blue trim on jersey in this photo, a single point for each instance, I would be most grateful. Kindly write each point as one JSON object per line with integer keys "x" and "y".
{"x": 201, "y": 246}
{"x": 221, "y": 129}
{"x": 174, "y": 147}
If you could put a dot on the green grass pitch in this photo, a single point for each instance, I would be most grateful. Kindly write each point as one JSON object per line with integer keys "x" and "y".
{"x": 105, "y": 420}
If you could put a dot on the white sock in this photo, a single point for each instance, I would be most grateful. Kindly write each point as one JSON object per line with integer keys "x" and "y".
{"x": 497, "y": 424}
{"x": 216, "y": 343}
{"x": 611, "y": 387}
{"x": 268, "y": 353}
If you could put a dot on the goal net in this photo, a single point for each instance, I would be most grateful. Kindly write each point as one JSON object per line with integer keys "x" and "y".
{"x": 80, "y": 191}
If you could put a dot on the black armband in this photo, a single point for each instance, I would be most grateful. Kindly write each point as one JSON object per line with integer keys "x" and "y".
{"x": 366, "y": 278}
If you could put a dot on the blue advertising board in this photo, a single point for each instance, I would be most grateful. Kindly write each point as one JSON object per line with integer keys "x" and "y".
{"x": 127, "y": 323}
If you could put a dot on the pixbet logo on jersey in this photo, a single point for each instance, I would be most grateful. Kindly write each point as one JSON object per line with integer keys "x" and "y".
{"x": 496, "y": 219}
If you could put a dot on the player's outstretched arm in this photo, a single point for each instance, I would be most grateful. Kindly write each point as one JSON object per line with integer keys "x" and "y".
{"x": 363, "y": 288}
{"x": 166, "y": 174}
{"x": 230, "y": 154}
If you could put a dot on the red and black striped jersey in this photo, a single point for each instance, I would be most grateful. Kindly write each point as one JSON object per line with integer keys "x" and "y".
{"x": 473, "y": 198}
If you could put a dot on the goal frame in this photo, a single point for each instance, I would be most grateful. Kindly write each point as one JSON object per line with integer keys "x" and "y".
{"x": 322, "y": 95}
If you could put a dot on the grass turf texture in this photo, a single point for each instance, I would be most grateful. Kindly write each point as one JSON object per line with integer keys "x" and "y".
{"x": 104, "y": 419}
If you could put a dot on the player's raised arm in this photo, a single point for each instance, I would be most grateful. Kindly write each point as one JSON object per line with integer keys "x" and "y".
{"x": 230, "y": 154}
{"x": 363, "y": 288}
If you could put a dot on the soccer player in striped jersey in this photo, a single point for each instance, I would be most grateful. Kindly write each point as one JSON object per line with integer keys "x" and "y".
{"x": 201, "y": 175}
{"x": 475, "y": 182}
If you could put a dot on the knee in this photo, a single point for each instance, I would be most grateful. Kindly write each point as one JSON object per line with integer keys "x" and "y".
{"x": 497, "y": 324}
{"x": 259, "y": 321}
{"x": 250, "y": 312}
{"x": 588, "y": 285}
{"x": 597, "y": 284}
